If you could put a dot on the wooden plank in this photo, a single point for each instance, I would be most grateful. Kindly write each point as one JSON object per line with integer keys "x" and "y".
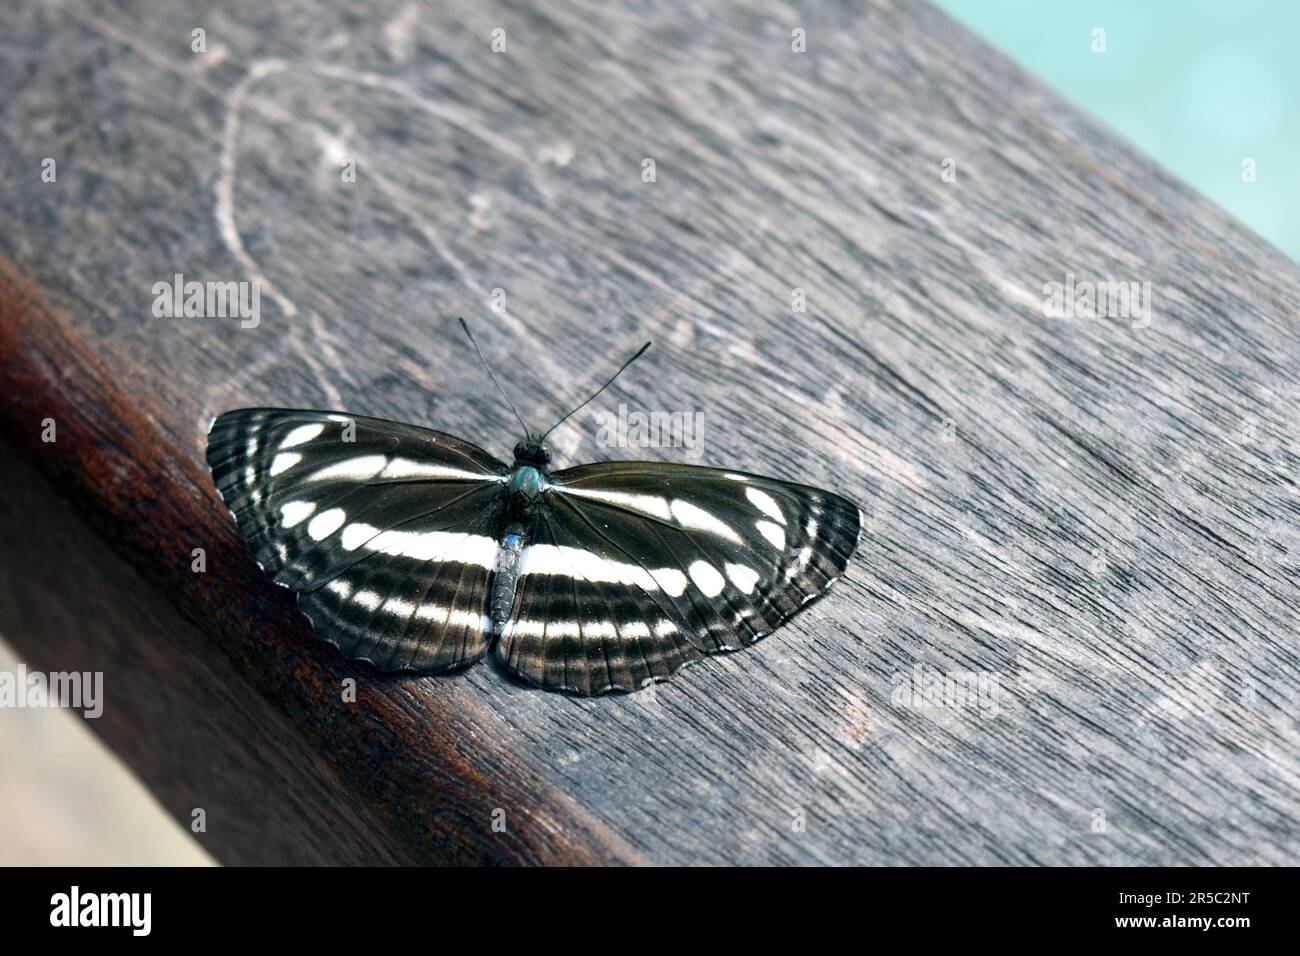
{"x": 1097, "y": 517}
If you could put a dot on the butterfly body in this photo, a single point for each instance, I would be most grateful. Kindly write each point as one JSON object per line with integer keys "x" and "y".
{"x": 415, "y": 550}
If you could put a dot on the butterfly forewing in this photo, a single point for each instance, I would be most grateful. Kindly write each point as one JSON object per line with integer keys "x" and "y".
{"x": 637, "y": 568}
{"x": 386, "y": 531}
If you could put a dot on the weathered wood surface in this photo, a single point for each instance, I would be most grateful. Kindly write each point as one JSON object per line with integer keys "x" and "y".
{"x": 1100, "y": 518}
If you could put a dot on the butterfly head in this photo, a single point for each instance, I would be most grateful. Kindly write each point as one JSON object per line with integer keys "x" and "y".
{"x": 532, "y": 453}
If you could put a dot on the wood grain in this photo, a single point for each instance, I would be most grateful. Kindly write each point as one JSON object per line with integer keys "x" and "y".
{"x": 1095, "y": 516}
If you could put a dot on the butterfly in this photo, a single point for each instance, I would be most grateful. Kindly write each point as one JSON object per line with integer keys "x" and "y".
{"x": 418, "y": 551}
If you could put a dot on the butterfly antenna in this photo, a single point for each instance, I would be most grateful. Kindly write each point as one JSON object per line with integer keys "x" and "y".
{"x": 464, "y": 325}
{"x": 640, "y": 352}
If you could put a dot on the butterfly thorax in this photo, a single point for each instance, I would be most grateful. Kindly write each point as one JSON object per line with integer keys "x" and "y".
{"x": 527, "y": 490}
{"x": 528, "y": 484}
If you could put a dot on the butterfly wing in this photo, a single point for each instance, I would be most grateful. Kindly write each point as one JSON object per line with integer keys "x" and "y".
{"x": 387, "y": 532}
{"x": 637, "y": 568}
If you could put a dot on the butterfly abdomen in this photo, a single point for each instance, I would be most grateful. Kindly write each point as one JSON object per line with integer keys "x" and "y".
{"x": 506, "y": 575}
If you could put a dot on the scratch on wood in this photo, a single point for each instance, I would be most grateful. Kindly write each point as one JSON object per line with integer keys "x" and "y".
{"x": 225, "y": 187}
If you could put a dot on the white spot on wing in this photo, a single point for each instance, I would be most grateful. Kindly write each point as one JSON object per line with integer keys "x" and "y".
{"x": 765, "y": 503}
{"x": 438, "y": 545}
{"x": 357, "y": 469}
{"x": 357, "y": 534}
{"x": 526, "y": 628}
{"x": 672, "y": 581}
{"x": 742, "y": 577}
{"x": 696, "y": 518}
{"x": 479, "y": 622}
{"x": 292, "y": 512}
{"x": 431, "y": 612}
{"x": 599, "y": 629}
{"x": 423, "y": 546}
{"x": 303, "y": 433}
{"x": 326, "y": 523}
{"x": 440, "y": 614}
{"x": 644, "y": 504}
{"x": 407, "y": 468}
{"x": 773, "y": 532}
{"x": 367, "y": 599}
{"x": 399, "y": 607}
{"x": 707, "y": 578}
{"x": 590, "y": 566}
{"x": 284, "y": 461}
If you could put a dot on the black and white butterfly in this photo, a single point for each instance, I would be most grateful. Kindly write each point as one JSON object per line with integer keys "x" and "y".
{"x": 415, "y": 550}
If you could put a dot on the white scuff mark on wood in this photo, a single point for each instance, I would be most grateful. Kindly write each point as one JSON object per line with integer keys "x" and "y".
{"x": 1201, "y": 692}
{"x": 132, "y": 41}
{"x": 214, "y": 57}
{"x": 741, "y": 353}
{"x": 856, "y": 718}
{"x": 448, "y": 114}
{"x": 681, "y": 335}
{"x": 261, "y": 69}
{"x": 1005, "y": 629}
{"x": 892, "y": 466}
{"x": 1016, "y": 292}
{"x": 399, "y": 33}
{"x": 851, "y": 446}
{"x": 335, "y": 42}
{"x": 558, "y": 154}
{"x": 225, "y": 189}
{"x": 480, "y": 206}
{"x": 336, "y": 147}
{"x": 326, "y": 341}
{"x": 404, "y": 204}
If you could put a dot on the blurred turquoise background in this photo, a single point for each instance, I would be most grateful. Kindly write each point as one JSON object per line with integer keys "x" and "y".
{"x": 1200, "y": 85}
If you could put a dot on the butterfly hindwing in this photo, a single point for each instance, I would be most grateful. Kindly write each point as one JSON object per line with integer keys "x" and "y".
{"x": 637, "y": 568}
{"x": 386, "y": 531}
{"x": 581, "y": 622}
